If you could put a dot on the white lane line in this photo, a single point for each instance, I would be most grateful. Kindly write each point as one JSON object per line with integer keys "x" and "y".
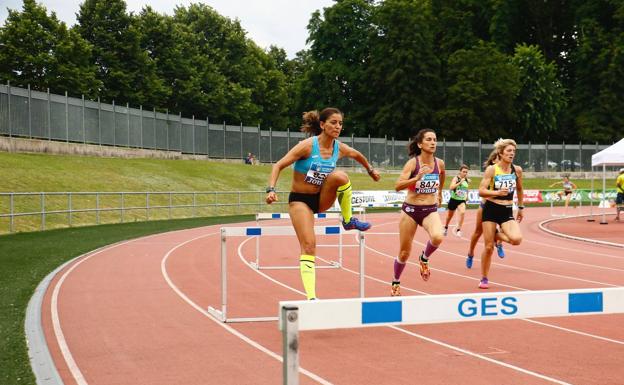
{"x": 577, "y": 249}
{"x": 442, "y": 250}
{"x": 509, "y": 286}
{"x": 230, "y": 329}
{"x": 437, "y": 342}
{"x": 481, "y": 356}
{"x": 575, "y": 331}
{"x": 56, "y": 322}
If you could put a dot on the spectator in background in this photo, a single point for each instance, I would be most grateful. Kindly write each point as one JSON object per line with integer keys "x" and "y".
{"x": 250, "y": 159}
{"x": 619, "y": 200}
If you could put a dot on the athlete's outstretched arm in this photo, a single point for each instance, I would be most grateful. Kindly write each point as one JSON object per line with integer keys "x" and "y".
{"x": 299, "y": 151}
{"x": 350, "y": 152}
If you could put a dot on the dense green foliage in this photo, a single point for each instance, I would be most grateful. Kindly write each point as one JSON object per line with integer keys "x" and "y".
{"x": 473, "y": 69}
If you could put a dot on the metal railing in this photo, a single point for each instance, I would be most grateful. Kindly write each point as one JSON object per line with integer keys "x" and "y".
{"x": 49, "y": 210}
{"x": 38, "y": 211}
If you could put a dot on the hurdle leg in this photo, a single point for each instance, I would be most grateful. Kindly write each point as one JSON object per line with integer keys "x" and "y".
{"x": 362, "y": 263}
{"x": 221, "y": 314}
{"x": 290, "y": 345}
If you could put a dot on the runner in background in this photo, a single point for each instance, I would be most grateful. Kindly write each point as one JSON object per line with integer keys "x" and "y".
{"x": 459, "y": 194}
{"x": 500, "y": 181}
{"x": 478, "y": 231}
{"x": 566, "y": 193}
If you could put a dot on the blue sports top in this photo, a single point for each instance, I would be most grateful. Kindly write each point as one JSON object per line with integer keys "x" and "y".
{"x": 315, "y": 168}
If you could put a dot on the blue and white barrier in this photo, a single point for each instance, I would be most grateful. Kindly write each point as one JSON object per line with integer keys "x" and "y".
{"x": 271, "y": 231}
{"x": 365, "y": 312}
{"x": 261, "y": 216}
{"x": 270, "y": 216}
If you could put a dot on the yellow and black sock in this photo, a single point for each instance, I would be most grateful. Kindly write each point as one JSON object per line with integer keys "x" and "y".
{"x": 308, "y": 275}
{"x": 344, "y": 199}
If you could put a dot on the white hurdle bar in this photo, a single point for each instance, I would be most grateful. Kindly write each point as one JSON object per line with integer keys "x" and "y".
{"x": 272, "y": 231}
{"x": 332, "y": 264}
{"x": 364, "y": 312}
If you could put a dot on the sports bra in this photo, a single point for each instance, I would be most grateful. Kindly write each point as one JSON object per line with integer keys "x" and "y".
{"x": 429, "y": 183}
{"x": 567, "y": 186}
{"x": 315, "y": 168}
{"x": 502, "y": 179}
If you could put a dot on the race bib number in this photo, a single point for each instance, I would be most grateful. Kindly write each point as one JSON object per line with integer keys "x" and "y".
{"x": 505, "y": 181}
{"x": 429, "y": 184}
{"x": 318, "y": 173}
{"x": 461, "y": 193}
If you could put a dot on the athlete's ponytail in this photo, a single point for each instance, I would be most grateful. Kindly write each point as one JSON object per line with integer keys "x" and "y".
{"x": 312, "y": 120}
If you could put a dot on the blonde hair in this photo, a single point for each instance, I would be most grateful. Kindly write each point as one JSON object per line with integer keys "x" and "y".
{"x": 501, "y": 143}
{"x": 491, "y": 159}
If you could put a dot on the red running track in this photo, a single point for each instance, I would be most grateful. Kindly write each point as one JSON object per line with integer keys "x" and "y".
{"x": 134, "y": 313}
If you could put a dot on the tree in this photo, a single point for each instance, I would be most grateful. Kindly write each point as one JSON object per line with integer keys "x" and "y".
{"x": 227, "y": 68}
{"x": 597, "y": 106}
{"x": 541, "y": 97}
{"x": 546, "y": 24}
{"x": 126, "y": 71}
{"x": 460, "y": 24}
{"x": 339, "y": 56}
{"x": 403, "y": 75}
{"x": 39, "y": 50}
{"x": 482, "y": 89}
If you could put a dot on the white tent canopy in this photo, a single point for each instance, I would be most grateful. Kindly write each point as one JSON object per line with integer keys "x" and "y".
{"x": 610, "y": 156}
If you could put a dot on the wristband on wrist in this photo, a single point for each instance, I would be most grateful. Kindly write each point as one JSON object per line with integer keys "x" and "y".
{"x": 370, "y": 170}
{"x": 520, "y": 207}
{"x": 270, "y": 189}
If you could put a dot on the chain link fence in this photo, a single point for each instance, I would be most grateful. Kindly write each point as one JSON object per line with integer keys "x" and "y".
{"x": 26, "y": 113}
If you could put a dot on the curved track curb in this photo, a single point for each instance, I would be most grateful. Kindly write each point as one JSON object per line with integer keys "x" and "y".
{"x": 563, "y": 235}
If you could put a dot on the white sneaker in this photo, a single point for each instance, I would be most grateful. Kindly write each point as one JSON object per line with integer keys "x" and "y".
{"x": 458, "y": 233}
{"x": 445, "y": 231}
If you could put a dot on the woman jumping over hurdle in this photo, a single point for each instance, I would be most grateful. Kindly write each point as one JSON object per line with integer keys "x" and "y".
{"x": 316, "y": 183}
{"x": 568, "y": 189}
{"x": 500, "y": 181}
{"x": 423, "y": 177}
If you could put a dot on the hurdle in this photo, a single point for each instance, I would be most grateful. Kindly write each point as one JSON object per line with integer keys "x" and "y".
{"x": 332, "y": 264}
{"x": 296, "y": 316}
{"x": 221, "y": 314}
{"x": 571, "y": 206}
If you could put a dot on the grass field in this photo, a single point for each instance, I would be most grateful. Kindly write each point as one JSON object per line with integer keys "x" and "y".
{"x": 42, "y": 172}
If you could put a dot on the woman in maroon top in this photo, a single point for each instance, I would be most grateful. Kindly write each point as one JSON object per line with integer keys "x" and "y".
{"x": 423, "y": 177}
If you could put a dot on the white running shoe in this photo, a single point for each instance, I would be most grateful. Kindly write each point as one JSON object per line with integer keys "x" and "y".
{"x": 458, "y": 232}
